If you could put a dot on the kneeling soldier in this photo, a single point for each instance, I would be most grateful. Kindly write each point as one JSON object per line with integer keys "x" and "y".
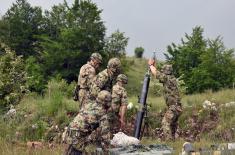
{"x": 90, "y": 125}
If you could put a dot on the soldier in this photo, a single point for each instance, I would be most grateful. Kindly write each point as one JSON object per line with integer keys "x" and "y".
{"x": 119, "y": 104}
{"x": 105, "y": 79}
{"x": 172, "y": 98}
{"x": 86, "y": 76}
{"x": 90, "y": 125}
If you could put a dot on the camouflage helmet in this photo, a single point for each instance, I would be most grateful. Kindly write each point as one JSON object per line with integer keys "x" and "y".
{"x": 104, "y": 97}
{"x": 167, "y": 69}
{"x": 97, "y": 57}
{"x": 114, "y": 64}
{"x": 122, "y": 78}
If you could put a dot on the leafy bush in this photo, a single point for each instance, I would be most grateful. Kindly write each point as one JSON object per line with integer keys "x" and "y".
{"x": 61, "y": 86}
{"x": 36, "y": 79}
{"x": 55, "y": 98}
{"x": 12, "y": 77}
{"x": 139, "y": 52}
{"x": 36, "y": 114}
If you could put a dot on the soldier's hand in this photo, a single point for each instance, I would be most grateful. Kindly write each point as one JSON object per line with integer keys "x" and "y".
{"x": 151, "y": 62}
{"x": 123, "y": 124}
{"x": 152, "y": 67}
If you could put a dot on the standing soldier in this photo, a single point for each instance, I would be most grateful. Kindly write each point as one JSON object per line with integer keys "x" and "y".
{"x": 172, "y": 98}
{"x": 105, "y": 79}
{"x": 90, "y": 125}
{"x": 86, "y": 76}
{"x": 119, "y": 104}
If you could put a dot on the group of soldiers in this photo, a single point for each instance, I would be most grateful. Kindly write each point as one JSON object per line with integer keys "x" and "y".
{"x": 103, "y": 100}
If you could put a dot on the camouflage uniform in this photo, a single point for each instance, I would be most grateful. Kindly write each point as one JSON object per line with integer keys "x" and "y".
{"x": 86, "y": 76}
{"x": 105, "y": 79}
{"x": 119, "y": 98}
{"x": 172, "y": 98}
{"x": 91, "y": 124}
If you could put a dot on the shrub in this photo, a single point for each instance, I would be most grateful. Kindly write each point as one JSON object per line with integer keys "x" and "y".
{"x": 36, "y": 79}
{"x": 12, "y": 77}
{"x": 139, "y": 52}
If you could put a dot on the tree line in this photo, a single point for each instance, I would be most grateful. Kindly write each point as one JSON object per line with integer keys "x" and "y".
{"x": 201, "y": 63}
{"x": 37, "y": 45}
{"x": 56, "y": 42}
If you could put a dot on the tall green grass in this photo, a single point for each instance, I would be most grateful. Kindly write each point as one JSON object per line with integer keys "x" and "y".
{"x": 36, "y": 113}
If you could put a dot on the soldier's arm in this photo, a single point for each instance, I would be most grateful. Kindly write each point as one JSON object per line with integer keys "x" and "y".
{"x": 157, "y": 74}
{"x": 98, "y": 84}
{"x": 85, "y": 75}
{"x": 116, "y": 98}
{"x": 123, "y": 108}
{"x": 152, "y": 68}
{"x": 91, "y": 76}
{"x": 122, "y": 115}
{"x": 80, "y": 75}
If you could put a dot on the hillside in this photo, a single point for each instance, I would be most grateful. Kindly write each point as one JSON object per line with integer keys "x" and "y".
{"x": 136, "y": 72}
{"x": 43, "y": 118}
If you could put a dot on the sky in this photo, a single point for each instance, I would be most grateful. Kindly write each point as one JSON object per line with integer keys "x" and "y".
{"x": 155, "y": 24}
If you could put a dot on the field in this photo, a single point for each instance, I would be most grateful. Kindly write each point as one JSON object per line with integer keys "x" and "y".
{"x": 39, "y": 118}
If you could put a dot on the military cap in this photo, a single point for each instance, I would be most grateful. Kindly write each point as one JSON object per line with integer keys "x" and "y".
{"x": 122, "y": 78}
{"x": 114, "y": 63}
{"x": 97, "y": 57}
{"x": 104, "y": 97}
{"x": 167, "y": 69}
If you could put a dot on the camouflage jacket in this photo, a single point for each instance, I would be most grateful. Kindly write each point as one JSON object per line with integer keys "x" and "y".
{"x": 102, "y": 81}
{"x": 86, "y": 76}
{"x": 119, "y": 97}
{"x": 170, "y": 91}
{"x": 88, "y": 116}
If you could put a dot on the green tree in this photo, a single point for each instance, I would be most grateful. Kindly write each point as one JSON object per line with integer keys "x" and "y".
{"x": 203, "y": 64}
{"x": 36, "y": 81}
{"x": 186, "y": 56}
{"x": 12, "y": 77}
{"x": 77, "y": 32}
{"x": 55, "y": 20}
{"x": 115, "y": 45}
{"x": 139, "y": 52}
{"x": 218, "y": 62}
{"x": 20, "y": 26}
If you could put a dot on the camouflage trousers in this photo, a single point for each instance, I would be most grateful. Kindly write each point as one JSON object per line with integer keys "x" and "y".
{"x": 170, "y": 121}
{"x": 104, "y": 133}
{"x": 78, "y": 139}
{"x": 83, "y": 96}
{"x": 115, "y": 124}
{"x": 99, "y": 137}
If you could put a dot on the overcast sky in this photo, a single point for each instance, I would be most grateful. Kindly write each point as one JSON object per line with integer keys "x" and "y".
{"x": 154, "y": 24}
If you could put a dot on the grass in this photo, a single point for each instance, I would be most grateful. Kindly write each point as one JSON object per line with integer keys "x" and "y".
{"x": 36, "y": 114}
{"x": 32, "y": 104}
{"x": 56, "y": 107}
{"x": 135, "y": 75}
{"x": 21, "y": 149}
